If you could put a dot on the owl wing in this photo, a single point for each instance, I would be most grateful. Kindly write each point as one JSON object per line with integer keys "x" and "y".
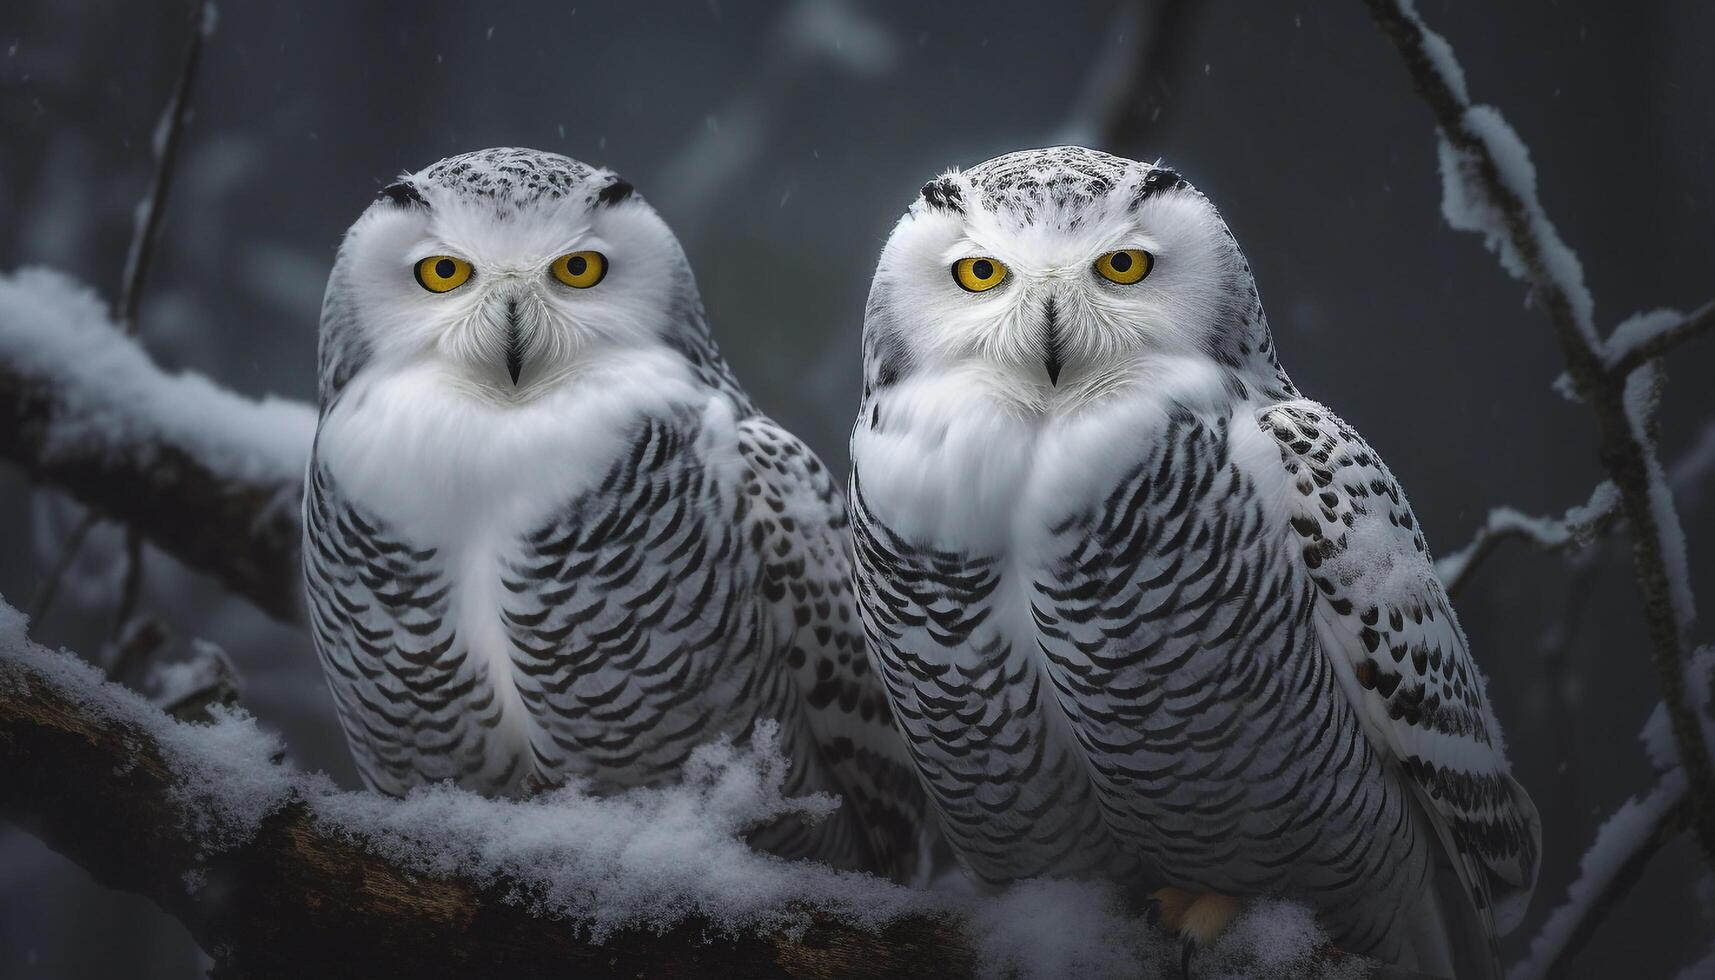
{"x": 1387, "y": 625}
{"x": 796, "y": 522}
{"x": 699, "y": 588}
{"x": 415, "y": 708}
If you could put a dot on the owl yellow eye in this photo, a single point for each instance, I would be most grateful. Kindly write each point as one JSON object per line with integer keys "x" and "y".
{"x": 442, "y": 273}
{"x": 580, "y": 270}
{"x": 978, "y": 275}
{"x": 1126, "y": 266}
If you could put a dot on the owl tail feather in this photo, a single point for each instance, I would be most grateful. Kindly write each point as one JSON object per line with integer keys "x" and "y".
{"x": 1447, "y": 934}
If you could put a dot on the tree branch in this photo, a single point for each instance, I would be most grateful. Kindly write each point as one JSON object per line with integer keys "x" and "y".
{"x": 299, "y": 901}
{"x": 209, "y": 477}
{"x": 1500, "y": 201}
{"x": 1627, "y": 353}
{"x": 101, "y": 777}
{"x": 1572, "y": 532}
{"x": 1598, "y": 890}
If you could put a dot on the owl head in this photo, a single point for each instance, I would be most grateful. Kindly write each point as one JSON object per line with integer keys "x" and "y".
{"x": 507, "y": 270}
{"x": 1053, "y": 276}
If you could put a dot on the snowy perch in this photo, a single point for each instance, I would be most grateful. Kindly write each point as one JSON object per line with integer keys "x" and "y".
{"x": 268, "y": 871}
{"x": 208, "y": 476}
{"x": 277, "y": 873}
{"x": 1579, "y": 527}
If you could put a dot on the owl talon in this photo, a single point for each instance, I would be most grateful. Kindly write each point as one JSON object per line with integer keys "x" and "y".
{"x": 536, "y": 783}
{"x": 1197, "y": 918}
{"x": 1169, "y": 906}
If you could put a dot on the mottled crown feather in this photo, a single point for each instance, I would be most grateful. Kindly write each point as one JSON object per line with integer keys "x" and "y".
{"x": 1028, "y": 185}
{"x": 514, "y": 178}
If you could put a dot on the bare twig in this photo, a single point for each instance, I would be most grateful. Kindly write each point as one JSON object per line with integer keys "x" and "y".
{"x": 43, "y": 600}
{"x": 1626, "y": 354}
{"x": 130, "y": 585}
{"x": 1532, "y": 251}
{"x": 70, "y": 549}
{"x": 1572, "y": 532}
{"x": 139, "y": 259}
{"x": 143, "y": 636}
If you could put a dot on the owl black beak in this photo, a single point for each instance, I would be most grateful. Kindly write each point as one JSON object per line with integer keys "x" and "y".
{"x": 514, "y": 342}
{"x": 1051, "y": 343}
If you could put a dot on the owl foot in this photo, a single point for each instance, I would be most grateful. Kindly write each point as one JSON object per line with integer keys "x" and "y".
{"x": 536, "y": 783}
{"x": 1197, "y": 918}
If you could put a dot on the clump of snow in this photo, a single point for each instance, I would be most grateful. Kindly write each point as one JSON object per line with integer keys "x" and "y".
{"x": 120, "y": 402}
{"x": 207, "y": 667}
{"x": 1270, "y": 941}
{"x": 1051, "y": 929}
{"x": 229, "y": 781}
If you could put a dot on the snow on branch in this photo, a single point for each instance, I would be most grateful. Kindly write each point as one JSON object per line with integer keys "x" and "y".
{"x": 1626, "y": 841}
{"x": 1647, "y": 336}
{"x": 1488, "y": 182}
{"x": 1580, "y": 526}
{"x": 1489, "y": 187}
{"x": 1615, "y": 860}
{"x": 278, "y": 873}
{"x": 209, "y": 476}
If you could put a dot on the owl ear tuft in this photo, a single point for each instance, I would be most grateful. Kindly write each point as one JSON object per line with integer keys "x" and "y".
{"x": 943, "y": 194}
{"x": 615, "y": 192}
{"x": 1161, "y": 179}
{"x": 403, "y": 193}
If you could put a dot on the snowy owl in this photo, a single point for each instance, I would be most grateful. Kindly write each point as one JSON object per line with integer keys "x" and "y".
{"x": 1142, "y": 610}
{"x": 548, "y": 537}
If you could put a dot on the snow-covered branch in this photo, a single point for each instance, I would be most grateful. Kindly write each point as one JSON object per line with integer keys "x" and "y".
{"x": 1489, "y": 187}
{"x": 1573, "y": 531}
{"x": 1626, "y": 842}
{"x": 278, "y": 874}
{"x": 211, "y": 477}
{"x": 1615, "y": 860}
{"x": 1647, "y": 336}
